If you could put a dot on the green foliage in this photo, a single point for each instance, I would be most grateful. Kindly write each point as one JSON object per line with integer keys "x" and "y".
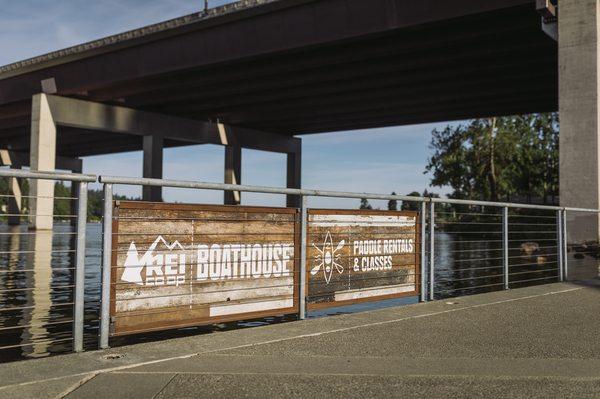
{"x": 63, "y": 200}
{"x": 506, "y": 158}
{"x": 364, "y": 204}
{"x": 393, "y": 204}
{"x": 409, "y": 205}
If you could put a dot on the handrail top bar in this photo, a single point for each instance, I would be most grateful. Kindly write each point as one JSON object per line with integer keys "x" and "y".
{"x": 317, "y": 193}
{"x": 136, "y": 181}
{"x": 496, "y": 204}
{"x": 31, "y": 174}
{"x": 255, "y": 189}
{"x": 588, "y": 210}
{"x": 512, "y": 205}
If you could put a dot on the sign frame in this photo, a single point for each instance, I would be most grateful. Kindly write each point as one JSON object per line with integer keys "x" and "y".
{"x": 119, "y": 205}
{"x": 366, "y": 212}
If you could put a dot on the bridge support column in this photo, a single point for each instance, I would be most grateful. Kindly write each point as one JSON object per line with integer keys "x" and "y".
{"x": 294, "y": 173}
{"x": 43, "y": 158}
{"x": 579, "y": 88}
{"x": 233, "y": 173}
{"x": 153, "y": 166}
{"x": 15, "y": 201}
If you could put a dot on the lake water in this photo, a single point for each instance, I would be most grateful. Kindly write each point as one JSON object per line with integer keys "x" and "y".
{"x": 36, "y": 284}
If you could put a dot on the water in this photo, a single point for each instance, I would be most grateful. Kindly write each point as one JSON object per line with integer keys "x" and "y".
{"x": 36, "y": 284}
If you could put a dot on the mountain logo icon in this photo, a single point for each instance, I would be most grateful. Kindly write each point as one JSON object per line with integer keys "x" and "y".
{"x": 134, "y": 264}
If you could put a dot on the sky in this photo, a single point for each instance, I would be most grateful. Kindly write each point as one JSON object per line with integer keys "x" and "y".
{"x": 375, "y": 160}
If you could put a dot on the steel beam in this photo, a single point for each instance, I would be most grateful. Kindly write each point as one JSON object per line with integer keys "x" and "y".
{"x": 89, "y": 115}
{"x": 233, "y": 173}
{"x": 294, "y": 176}
{"x": 153, "y": 166}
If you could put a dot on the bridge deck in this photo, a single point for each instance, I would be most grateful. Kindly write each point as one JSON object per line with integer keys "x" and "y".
{"x": 531, "y": 342}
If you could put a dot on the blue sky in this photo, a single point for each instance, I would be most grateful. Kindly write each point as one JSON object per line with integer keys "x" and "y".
{"x": 376, "y": 160}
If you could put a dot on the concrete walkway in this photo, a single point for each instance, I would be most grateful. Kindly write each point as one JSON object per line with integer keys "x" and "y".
{"x": 532, "y": 342}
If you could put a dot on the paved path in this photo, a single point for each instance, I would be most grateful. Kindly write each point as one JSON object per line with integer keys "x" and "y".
{"x": 532, "y": 342}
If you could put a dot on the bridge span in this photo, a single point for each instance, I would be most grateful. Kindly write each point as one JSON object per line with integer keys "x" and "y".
{"x": 529, "y": 342}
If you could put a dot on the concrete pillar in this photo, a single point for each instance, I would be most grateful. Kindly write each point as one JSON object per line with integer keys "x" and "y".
{"x": 579, "y": 86}
{"x": 153, "y": 166}
{"x": 233, "y": 173}
{"x": 294, "y": 170}
{"x": 42, "y": 158}
{"x": 15, "y": 201}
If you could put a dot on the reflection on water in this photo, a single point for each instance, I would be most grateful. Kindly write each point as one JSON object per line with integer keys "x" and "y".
{"x": 37, "y": 269}
{"x": 36, "y": 283}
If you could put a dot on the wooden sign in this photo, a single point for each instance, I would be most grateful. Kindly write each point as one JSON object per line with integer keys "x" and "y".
{"x": 356, "y": 256}
{"x": 177, "y": 265}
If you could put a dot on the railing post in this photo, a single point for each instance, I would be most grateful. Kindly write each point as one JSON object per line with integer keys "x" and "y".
{"x": 431, "y": 250}
{"x": 302, "y": 277}
{"x": 505, "y": 245}
{"x": 106, "y": 266}
{"x": 564, "y": 243}
{"x": 80, "y": 267}
{"x": 559, "y": 244}
{"x": 423, "y": 274}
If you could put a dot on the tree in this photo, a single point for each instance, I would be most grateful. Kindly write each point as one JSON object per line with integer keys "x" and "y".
{"x": 505, "y": 158}
{"x": 393, "y": 204}
{"x": 364, "y": 204}
{"x": 410, "y": 205}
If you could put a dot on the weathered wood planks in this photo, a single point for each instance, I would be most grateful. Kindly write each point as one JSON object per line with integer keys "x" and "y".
{"x": 177, "y": 265}
{"x": 355, "y": 256}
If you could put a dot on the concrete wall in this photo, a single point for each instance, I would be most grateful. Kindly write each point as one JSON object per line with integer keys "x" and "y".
{"x": 579, "y": 118}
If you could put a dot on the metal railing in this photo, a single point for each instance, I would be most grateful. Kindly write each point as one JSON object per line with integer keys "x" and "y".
{"x": 511, "y": 269}
{"x": 108, "y": 267}
{"x": 466, "y": 247}
{"x": 42, "y": 270}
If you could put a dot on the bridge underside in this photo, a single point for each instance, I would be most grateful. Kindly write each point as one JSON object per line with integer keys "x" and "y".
{"x": 300, "y": 67}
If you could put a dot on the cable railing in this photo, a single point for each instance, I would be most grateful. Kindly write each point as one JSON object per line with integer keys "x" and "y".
{"x": 42, "y": 257}
{"x": 153, "y": 267}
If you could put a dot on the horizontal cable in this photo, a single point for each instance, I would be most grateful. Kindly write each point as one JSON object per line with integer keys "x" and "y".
{"x": 469, "y": 278}
{"x": 534, "y": 279}
{"x": 37, "y": 233}
{"x": 37, "y": 342}
{"x": 61, "y": 269}
{"x": 32, "y": 215}
{"x": 47, "y": 288}
{"x": 534, "y": 263}
{"x": 470, "y": 232}
{"x": 37, "y": 197}
{"x": 49, "y": 323}
{"x": 469, "y": 213}
{"x": 469, "y": 268}
{"x": 55, "y": 251}
{"x": 53, "y": 305}
{"x": 532, "y": 216}
{"x": 554, "y": 269}
{"x": 469, "y": 288}
{"x": 470, "y": 242}
{"x": 461, "y": 223}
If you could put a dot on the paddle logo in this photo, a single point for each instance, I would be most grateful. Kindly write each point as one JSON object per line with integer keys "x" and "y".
{"x": 328, "y": 258}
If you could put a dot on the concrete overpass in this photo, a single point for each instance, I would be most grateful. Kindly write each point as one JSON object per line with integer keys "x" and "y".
{"x": 257, "y": 73}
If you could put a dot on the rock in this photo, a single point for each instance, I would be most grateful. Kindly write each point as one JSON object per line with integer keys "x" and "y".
{"x": 541, "y": 260}
{"x": 529, "y": 248}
